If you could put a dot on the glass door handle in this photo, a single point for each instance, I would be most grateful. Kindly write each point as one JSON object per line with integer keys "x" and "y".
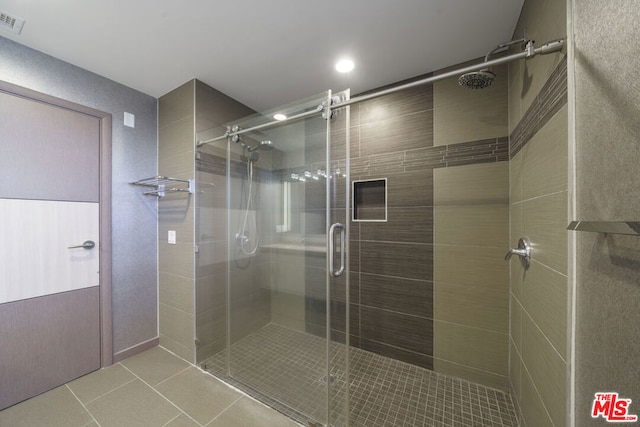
{"x": 332, "y": 233}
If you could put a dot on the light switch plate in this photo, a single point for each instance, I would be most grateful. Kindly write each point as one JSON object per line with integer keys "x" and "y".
{"x": 171, "y": 237}
{"x": 129, "y": 120}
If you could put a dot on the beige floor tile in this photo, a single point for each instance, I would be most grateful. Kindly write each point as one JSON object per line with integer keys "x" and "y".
{"x": 247, "y": 412}
{"x": 198, "y": 394}
{"x": 57, "y": 407}
{"x": 98, "y": 383}
{"x": 155, "y": 365}
{"x": 134, "y": 404}
{"x": 182, "y": 421}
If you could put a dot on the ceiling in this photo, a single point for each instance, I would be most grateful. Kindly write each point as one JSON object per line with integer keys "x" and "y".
{"x": 262, "y": 53}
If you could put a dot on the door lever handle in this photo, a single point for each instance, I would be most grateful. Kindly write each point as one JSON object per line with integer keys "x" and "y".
{"x": 524, "y": 251}
{"x": 87, "y": 244}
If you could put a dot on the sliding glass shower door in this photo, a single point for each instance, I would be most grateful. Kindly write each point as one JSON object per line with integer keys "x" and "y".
{"x": 281, "y": 333}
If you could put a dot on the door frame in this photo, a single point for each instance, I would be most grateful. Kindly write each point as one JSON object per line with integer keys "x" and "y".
{"x": 105, "y": 119}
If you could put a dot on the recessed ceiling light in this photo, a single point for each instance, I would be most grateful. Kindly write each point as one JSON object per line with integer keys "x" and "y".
{"x": 344, "y": 66}
{"x": 280, "y": 116}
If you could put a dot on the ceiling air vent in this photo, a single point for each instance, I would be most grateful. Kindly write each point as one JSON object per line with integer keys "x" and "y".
{"x": 11, "y": 23}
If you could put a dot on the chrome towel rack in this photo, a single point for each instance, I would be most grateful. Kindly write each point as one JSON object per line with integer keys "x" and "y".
{"x": 629, "y": 228}
{"x": 164, "y": 185}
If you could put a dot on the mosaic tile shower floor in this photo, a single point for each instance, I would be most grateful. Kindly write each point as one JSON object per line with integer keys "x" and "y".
{"x": 287, "y": 369}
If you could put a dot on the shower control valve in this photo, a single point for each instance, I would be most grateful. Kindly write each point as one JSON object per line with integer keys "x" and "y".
{"x": 524, "y": 251}
{"x": 241, "y": 239}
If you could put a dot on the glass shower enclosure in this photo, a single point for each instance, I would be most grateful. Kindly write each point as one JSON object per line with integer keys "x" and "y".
{"x": 272, "y": 301}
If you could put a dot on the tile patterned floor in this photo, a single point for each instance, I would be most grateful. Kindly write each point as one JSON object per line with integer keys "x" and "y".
{"x": 286, "y": 370}
{"x": 154, "y": 388}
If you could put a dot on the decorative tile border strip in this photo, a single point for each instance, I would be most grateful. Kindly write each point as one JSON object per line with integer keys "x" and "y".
{"x": 466, "y": 153}
{"x": 551, "y": 98}
{"x": 217, "y": 165}
{"x": 211, "y": 163}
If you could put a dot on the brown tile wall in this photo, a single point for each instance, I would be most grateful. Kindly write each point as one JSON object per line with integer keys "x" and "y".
{"x": 539, "y": 198}
{"x": 192, "y": 293}
{"x": 249, "y": 303}
{"x": 471, "y": 217}
{"x": 176, "y": 212}
{"x": 391, "y": 262}
{"x": 470, "y": 232}
{"x": 406, "y": 301}
{"x": 552, "y": 97}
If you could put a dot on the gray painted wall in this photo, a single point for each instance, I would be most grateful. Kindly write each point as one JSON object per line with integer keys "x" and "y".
{"x": 134, "y": 157}
{"x": 607, "y": 154}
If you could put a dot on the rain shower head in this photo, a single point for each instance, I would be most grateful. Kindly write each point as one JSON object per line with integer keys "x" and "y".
{"x": 477, "y": 79}
{"x": 483, "y": 78}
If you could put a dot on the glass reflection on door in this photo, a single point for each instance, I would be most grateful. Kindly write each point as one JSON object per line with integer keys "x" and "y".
{"x": 286, "y": 315}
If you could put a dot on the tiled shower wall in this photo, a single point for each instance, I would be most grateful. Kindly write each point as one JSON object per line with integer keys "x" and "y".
{"x": 538, "y": 125}
{"x": 429, "y": 286}
{"x": 192, "y": 292}
{"x": 471, "y": 220}
{"x": 250, "y": 304}
{"x": 176, "y": 212}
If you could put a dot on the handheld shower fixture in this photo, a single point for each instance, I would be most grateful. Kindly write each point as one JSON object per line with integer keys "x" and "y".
{"x": 252, "y": 152}
{"x": 247, "y": 237}
{"x": 264, "y": 145}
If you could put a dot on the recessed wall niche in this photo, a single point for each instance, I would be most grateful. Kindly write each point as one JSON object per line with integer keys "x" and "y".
{"x": 370, "y": 200}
